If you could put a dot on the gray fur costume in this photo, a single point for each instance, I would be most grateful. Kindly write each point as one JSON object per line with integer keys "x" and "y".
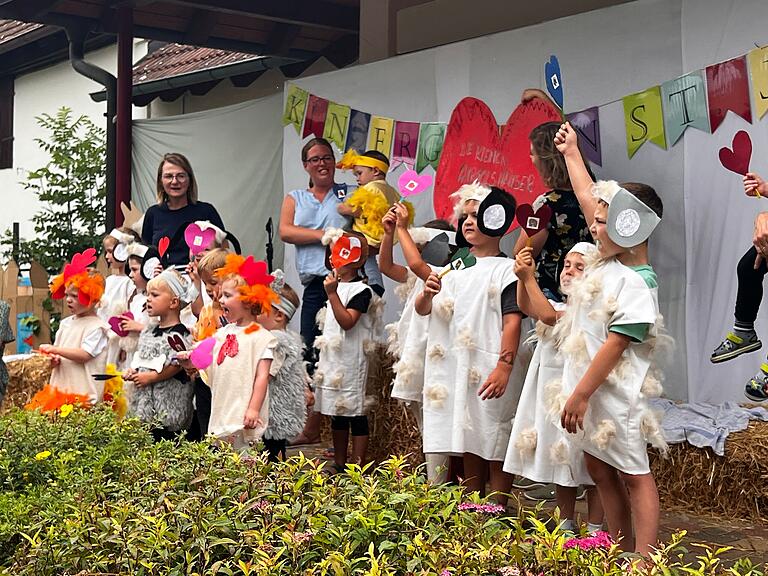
{"x": 287, "y": 408}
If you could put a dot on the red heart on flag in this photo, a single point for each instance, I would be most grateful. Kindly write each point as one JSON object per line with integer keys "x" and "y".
{"x": 346, "y": 250}
{"x": 475, "y": 150}
{"x": 162, "y": 245}
{"x": 532, "y": 221}
{"x": 737, "y": 159}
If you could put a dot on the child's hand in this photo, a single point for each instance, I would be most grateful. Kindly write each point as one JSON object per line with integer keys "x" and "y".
{"x": 566, "y": 140}
{"x": 252, "y": 419}
{"x": 524, "y": 265}
{"x": 389, "y": 221}
{"x": 754, "y": 184}
{"x": 433, "y": 285}
{"x": 47, "y": 348}
{"x": 183, "y": 359}
{"x": 402, "y": 214}
{"x": 157, "y": 270}
{"x": 130, "y": 325}
{"x": 572, "y": 418}
{"x": 331, "y": 282}
{"x": 55, "y": 359}
{"x": 140, "y": 379}
{"x": 496, "y": 384}
{"x": 309, "y": 397}
{"x": 194, "y": 275}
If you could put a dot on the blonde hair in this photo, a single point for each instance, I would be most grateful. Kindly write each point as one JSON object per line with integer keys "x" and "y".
{"x": 182, "y": 162}
{"x": 212, "y": 261}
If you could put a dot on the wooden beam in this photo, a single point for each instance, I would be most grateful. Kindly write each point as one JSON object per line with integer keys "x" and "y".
{"x": 281, "y": 38}
{"x": 30, "y": 9}
{"x": 314, "y": 13}
{"x": 201, "y": 24}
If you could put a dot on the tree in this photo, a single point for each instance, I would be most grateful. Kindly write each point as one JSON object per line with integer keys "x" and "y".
{"x": 71, "y": 189}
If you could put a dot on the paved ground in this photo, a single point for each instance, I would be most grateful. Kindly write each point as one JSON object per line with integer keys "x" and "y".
{"x": 747, "y": 538}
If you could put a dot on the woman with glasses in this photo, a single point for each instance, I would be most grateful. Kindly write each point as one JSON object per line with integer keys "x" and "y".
{"x": 303, "y": 217}
{"x": 177, "y": 205}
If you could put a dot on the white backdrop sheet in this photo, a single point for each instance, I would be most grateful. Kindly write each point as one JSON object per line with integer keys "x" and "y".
{"x": 236, "y": 153}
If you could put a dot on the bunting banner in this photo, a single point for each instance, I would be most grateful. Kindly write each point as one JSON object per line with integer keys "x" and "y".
{"x": 728, "y": 89}
{"x": 431, "y": 138}
{"x": 336, "y": 122}
{"x": 644, "y": 119}
{"x": 295, "y": 106}
{"x": 406, "y": 144}
{"x": 314, "y": 121}
{"x": 587, "y": 126}
{"x": 357, "y": 132}
{"x": 758, "y": 70}
{"x": 684, "y": 101}
{"x": 380, "y": 134}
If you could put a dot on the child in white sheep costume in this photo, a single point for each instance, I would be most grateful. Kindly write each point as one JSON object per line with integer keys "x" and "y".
{"x": 474, "y": 370}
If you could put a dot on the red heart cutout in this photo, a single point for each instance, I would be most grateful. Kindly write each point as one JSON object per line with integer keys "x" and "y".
{"x": 737, "y": 159}
{"x": 230, "y": 348}
{"x": 162, "y": 245}
{"x": 116, "y": 321}
{"x": 346, "y": 250}
{"x": 475, "y": 150}
{"x": 533, "y": 222}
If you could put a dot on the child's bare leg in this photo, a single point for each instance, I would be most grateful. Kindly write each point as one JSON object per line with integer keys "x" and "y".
{"x": 359, "y": 449}
{"x": 615, "y": 500}
{"x": 644, "y": 499}
{"x": 475, "y": 473}
{"x": 594, "y": 507}
{"x": 501, "y": 482}
{"x": 565, "y": 497}
{"x": 340, "y": 442}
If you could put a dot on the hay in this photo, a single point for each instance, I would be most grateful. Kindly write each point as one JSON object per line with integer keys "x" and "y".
{"x": 27, "y": 377}
{"x": 733, "y": 486}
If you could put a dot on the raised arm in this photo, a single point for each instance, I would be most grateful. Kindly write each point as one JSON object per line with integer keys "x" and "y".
{"x": 291, "y": 233}
{"x": 530, "y": 298}
{"x": 387, "y": 264}
{"x": 566, "y": 142}
{"x": 408, "y": 246}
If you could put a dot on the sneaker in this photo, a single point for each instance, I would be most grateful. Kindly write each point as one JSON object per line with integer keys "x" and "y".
{"x": 734, "y": 346}
{"x": 756, "y": 387}
{"x": 526, "y": 484}
{"x": 541, "y": 494}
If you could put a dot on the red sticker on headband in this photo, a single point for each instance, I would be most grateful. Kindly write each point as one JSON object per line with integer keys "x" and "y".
{"x": 346, "y": 250}
{"x": 532, "y": 221}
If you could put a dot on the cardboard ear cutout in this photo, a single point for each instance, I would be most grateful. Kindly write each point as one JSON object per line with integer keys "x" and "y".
{"x": 437, "y": 252}
{"x": 148, "y": 264}
{"x": 496, "y": 213}
{"x": 629, "y": 222}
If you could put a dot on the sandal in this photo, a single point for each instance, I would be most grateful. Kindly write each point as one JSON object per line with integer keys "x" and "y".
{"x": 755, "y": 389}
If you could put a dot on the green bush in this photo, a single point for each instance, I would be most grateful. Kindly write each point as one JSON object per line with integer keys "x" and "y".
{"x": 87, "y": 494}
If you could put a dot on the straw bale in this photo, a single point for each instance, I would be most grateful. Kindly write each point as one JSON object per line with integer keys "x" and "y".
{"x": 27, "y": 377}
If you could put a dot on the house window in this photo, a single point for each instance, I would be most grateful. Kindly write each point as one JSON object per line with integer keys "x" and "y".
{"x": 6, "y": 122}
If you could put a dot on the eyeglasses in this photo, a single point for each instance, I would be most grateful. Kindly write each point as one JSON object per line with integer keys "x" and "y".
{"x": 181, "y": 177}
{"x": 315, "y": 160}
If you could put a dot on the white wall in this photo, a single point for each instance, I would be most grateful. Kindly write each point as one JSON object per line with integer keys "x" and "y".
{"x": 45, "y": 91}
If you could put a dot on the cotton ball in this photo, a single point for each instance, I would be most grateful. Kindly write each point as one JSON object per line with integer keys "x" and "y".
{"x": 436, "y": 395}
{"x": 651, "y": 387}
{"x": 465, "y": 339}
{"x": 474, "y": 376}
{"x": 604, "y": 434}
{"x": 393, "y": 340}
{"x": 334, "y": 342}
{"x": 575, "y": 346}
{"x": 444, "y": 309}
{"x": 652, "y": 432}
{"x": 369, "y": 347}
{"x": 554, "y": 398}
{"x": 318, "y": 378}
{"x": 341, "y": 407}
{"x": 331, "y": 235}
{"x": 320, "y": 318}
{"x": 337, "y": 381}
{"x": 437, "y": 352}
{"x": 559, "y": 453}
{"x": 526, "y": 442}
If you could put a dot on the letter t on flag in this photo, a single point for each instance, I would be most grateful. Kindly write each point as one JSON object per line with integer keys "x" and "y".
{"x": 685, "y": 104}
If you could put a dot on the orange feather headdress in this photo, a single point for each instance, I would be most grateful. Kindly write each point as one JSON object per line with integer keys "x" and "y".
{"x": 89, "y": 283}
{"x": 256, "y": 291}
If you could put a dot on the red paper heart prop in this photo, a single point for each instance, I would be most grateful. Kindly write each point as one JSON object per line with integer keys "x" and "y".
{"x": 474, "y": 150}
{"x": 230, "y": 348}
{"x": 533, "y": 222}
{"x": 737, "y": 159}
{"x": 176, "y": 343}
{"x": 411, "y": 183}
{"x": 202, "y": 355}
{"x": 116, "y": 321}
{"x": 346, "y": 250}
{"x": 162, "y": 245}
{"x": 197, "y": 239}
{"x": 29, "y": 340}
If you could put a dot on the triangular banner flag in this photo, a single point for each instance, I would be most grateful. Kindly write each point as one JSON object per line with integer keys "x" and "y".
{"x": 758, "y": 69}
{"x": 314, "y": 121}
{"x": 295, "y": 106}
{"x": 587, "y": 125}
{"x": 357, "y": 132}
{"x": 684, "y": 101}
{"x": 644, "y": 119}
{"x": 336, "y": 121}
{"x": 728, "y": 89}
{"x": 406, "y": 144}
{"x": 380, "y": 134}
{"x": 431, "y": 138}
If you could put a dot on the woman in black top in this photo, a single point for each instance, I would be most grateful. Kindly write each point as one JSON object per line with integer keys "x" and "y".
{"x": 177, "y": 205}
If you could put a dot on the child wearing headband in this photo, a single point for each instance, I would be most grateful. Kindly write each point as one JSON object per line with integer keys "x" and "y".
{"x": 80, "y": 348}
{"x": 288, "y": 390}
{"x": 538, "y": 447}
{"x": 612, "y": 331}
{"x": 162, "y": 392}
{"x": 368, "y": 204}
{"x": 118, "y": 286}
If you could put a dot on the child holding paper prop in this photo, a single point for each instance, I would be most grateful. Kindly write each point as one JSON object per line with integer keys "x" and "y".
{"x": 407, "y": 338}
{"x": 474, "y": 366}
{"x": 118, "y": 286}
{"x": 80, "y": 349}
{"x": 288, "y": 390}
{"x": 162, "y": 393}
{"x": 751, "y": 271}
{"x": 368, "y": 204}
{"x": 538, "y": 447}
{"x": 342, "y": 370}
{"x": 612, "y": 331}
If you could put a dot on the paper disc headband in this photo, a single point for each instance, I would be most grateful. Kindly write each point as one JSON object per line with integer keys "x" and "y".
{"x": 120, "y": 251}
{"x": 630, "y": 222}
{"x": 351, "y": 159}
{"x": 495, "y": 215}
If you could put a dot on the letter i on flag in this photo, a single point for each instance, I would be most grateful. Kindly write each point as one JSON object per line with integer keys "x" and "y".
{"x": 644, "y": 119}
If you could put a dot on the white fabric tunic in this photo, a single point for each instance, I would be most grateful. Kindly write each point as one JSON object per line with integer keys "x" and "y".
{"x": 617, "y": 423}
{"x": 463, "y": 344}
{"x": 410, "y": 333}
{"x": 342, "y": 369}
{"x": 539, "y": 448}
{"x": 89, "y": 333}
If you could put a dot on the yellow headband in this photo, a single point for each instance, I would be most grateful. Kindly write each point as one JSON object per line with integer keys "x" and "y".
{"x": 351, "y": 159}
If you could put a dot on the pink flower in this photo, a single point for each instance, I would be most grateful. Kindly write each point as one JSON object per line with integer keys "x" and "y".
{"x": 481, "y": 508}
{"x": 509, "y": 571}
{"x": 445, "y": 573}
{"x": 599, "y": 539}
